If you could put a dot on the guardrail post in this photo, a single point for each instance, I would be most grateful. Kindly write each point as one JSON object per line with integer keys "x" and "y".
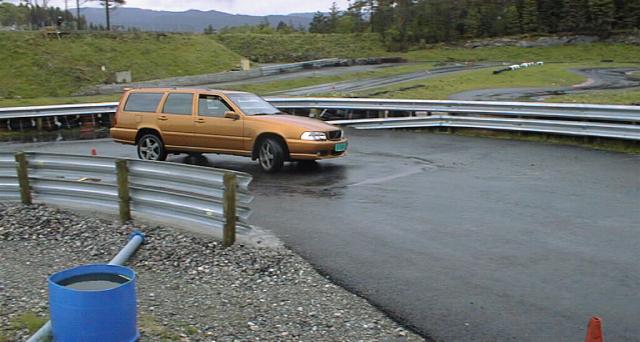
{"x": 123, "y": 190}
{"x": 229, "y": 208}
{"x": 23, "y": 178}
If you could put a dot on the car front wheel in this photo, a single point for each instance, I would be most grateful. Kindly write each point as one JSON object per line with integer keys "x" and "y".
{"x": 271, "y": 155}
{"x": 150, "y": 147}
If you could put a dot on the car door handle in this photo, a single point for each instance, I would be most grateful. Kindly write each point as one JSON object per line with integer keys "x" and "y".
{"x": 163, "y": 117}
{"x": 200, "y": 121}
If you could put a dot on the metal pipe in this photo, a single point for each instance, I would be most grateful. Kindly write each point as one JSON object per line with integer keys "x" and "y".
{"x": 135, "y": 240}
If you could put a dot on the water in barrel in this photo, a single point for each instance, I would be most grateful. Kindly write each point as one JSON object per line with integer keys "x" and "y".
{"x": 94, "y": 281}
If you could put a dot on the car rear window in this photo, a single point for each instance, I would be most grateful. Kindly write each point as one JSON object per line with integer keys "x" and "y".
{"x": 179, "y": 104}
{"x": 143, "y": 102}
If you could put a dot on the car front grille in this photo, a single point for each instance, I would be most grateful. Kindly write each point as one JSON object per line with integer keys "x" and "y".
{"x": 334, "y": 135}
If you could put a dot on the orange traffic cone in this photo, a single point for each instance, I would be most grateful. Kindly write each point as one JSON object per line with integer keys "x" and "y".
{"x": 594, "y": 330}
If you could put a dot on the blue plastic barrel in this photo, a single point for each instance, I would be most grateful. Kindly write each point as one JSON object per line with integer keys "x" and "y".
{"x": 94, "y": 303}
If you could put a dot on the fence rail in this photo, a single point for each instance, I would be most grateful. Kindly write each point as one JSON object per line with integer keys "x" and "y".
{"x": 611, "y": 121}
{"x": 189, "y": 195}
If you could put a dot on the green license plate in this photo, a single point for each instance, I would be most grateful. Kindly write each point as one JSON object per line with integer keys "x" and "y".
{"x": 341, "y": 147}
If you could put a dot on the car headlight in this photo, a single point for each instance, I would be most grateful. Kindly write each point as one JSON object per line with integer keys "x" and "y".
{"x": 314, "y": 136}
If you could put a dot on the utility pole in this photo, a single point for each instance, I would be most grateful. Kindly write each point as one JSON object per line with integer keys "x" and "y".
{"x": 106, "y": 6}
{"x": 77, "y": 14}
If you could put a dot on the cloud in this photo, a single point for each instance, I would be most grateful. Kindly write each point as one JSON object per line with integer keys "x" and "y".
{"x": 253, "y": 7}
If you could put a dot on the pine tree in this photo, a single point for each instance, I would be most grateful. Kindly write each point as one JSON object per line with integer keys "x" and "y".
{"x": 473, "y": 23}
{"x": 334, "y": 14}
{"x": 627, "y": 14}
{"x": 510, "y": 21}
{"x": 529, "y": 16}
{"x": 602, "y": 16}
{"x": 573, "y": 18}
{"x": 319, "y": 23}
{"x": 549, "y": 14}
{"x": 209, "y": 29}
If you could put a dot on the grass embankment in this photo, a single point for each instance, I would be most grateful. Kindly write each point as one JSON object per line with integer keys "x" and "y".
{"x": 270, "y": 48}
{"x": 617, "y": 96}
{"x": 441, "y": 87}
{"x": 36, "y": 66}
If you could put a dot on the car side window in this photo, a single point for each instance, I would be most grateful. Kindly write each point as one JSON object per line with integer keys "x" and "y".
{"x": 211, "y": 105}
{"x": 178, "y": 103}
{"x": 143, "y": 102}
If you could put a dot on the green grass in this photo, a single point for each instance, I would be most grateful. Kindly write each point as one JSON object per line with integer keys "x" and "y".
{"x": 36, "y": 66}
{"x": 149, "y": 325}
{"x": 590, "y": 53}
{"x": 618, "y": 96}
{"x": 270, "y": 48}
{"x": 268, "y": 87}
{"x": 438, "y": 88}
{"x": 29, "y": 321}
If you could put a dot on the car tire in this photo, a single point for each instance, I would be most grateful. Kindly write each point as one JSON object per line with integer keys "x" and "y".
{"x": 270, "y": 155}
{"x": 151, "y": 147}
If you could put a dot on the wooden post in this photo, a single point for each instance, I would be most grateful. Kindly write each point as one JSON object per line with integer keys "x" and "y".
{"x": 229, "y": 208}
{"x": 23, "y": 177}
{"x": 123, "y": 190}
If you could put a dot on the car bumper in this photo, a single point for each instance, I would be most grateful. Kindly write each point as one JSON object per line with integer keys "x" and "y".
{"x": 123, "y": 135}
{"x": 314, "y": 150}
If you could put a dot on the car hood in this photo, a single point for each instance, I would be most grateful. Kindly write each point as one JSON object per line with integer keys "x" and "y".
{"x": 301, "y": 122}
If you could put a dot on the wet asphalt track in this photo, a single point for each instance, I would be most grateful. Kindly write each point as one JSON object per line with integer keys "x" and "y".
{"x": 463, "y": 239}
{"x": 597, "y": 79}
{"x": 378, "y": 82}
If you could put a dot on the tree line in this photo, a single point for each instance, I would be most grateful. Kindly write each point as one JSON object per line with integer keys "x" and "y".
{"x": 33, "y": 15}
{"x": 408, "y": 22}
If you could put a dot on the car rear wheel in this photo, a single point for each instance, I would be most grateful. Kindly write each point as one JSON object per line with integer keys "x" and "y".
{"x": 271, "y": 155}
{"x": 150, "y": 147}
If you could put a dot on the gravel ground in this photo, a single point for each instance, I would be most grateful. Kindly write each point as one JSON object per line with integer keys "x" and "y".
{"x": 189, "y": 287}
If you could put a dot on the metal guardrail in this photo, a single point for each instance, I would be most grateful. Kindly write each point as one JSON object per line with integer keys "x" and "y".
{"x": 279, "y": 68}
{"x": 611, "y": 121}
{"x": 191, "y": 195}
{"x": 58, "y": 110}
{"x": 9, "y": 188}
{"x": 510, "y": 109}
{"x": 604, "y": 130}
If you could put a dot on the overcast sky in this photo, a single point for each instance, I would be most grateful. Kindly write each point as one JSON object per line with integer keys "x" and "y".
{"x": 254, "y": 7}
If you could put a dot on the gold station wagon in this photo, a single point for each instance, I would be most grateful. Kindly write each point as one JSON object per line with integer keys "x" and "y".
{"x": 162, "y": 121}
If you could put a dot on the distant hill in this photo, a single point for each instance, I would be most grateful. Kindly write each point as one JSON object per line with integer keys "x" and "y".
{"x": 189, "y": 21}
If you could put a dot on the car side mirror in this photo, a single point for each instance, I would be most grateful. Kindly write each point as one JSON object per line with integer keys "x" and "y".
{"x": 231, "y": 115}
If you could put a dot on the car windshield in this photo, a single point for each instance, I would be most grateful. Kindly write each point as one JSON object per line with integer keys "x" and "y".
{"x": 253, "y": 104}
